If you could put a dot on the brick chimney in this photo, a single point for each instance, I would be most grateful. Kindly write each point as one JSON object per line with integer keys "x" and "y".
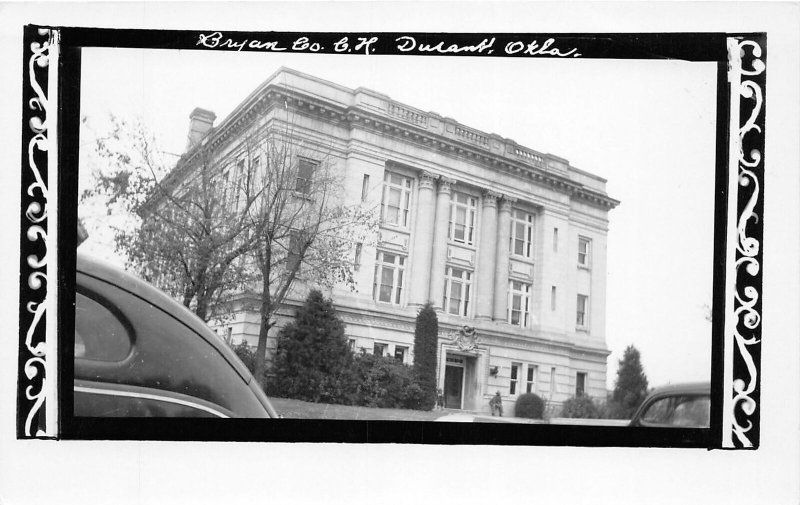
{"x": 200, "y": 123}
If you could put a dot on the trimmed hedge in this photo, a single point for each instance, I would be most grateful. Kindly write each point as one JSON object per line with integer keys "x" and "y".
{"x": 580, "y": 407}
{"x": 378, "y": 381}
{"x": 529, "y": 406}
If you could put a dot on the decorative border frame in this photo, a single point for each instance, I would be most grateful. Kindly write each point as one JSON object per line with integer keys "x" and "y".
{"x": 739, "y": 220}
{"x": 37, "y": 388}
{"x": 747, "y": 79}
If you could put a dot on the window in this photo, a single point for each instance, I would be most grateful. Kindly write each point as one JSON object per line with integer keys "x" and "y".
{"x": 522, "y": 234}
{"x": 512, "y": 388}
{"x": 552, "y": 381}
{"x": 685, "y": 411}
{"x": 555, "y": 239}
{"x": 456, "y": 291}
{"x": 305, "y": 174}
{"x": 99, "y": 333}
{"x": 582, "y": 316}
{"x": 530, "y": 385}
{"x": 580, "y": 384}
{"x": 229, "y": 335}
{"x": 400, "y": 352}
{"x": 462, "y": 218}
{"x": 552, "y": 298}
{"x": 294, "y": 255}
{"x": 379, "y": 349}
{"x": 584, "y": 252}
{"x": 388, "y": 284}
{"x": 365, "y": 188}
{"x": 357, "y": 258}
{"x": 225, "y": 187}
{"x": 396, "y": 199}
{"x": 238, "y": 183}
{"x": 519, "y": 294}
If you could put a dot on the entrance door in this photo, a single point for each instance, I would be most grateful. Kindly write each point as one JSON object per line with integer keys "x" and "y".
{"x": 453, "y": 378}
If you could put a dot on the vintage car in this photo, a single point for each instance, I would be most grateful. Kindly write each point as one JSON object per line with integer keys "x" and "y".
{"x": 676, "y": 406}
{"x": 139, "y": 353}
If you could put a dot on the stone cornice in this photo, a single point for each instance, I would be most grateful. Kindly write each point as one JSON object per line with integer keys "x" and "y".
{"x": 410, "y": 125}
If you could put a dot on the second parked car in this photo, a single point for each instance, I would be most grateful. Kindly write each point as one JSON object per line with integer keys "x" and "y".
{"x": 676, "y": 406}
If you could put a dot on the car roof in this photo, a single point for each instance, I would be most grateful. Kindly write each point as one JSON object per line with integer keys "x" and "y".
{"x": 683, "y": 388}
{"x": 112, "y": 274}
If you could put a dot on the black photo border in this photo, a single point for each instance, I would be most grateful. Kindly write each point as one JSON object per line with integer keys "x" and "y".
{"x": 48, "y": 218}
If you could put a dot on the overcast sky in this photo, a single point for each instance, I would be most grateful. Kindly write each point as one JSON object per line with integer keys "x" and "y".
{"x": 646, "y": 126}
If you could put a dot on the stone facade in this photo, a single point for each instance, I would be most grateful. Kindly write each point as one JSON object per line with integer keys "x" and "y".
{"x": 509, "y": 244}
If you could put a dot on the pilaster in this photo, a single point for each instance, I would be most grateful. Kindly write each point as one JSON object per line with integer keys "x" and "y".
{"x": 487, "y": 251}
{"x": 440, "y": 242}
{"x": 423, "y": 238}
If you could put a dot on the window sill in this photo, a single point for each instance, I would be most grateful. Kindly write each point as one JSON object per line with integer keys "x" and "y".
{"x": 395, "y": 227}
{"x": 517, "y": 257}
{"x": 302, "y": 196}
{"x": 471, "y": 247}
{"x": 584, "y": 267}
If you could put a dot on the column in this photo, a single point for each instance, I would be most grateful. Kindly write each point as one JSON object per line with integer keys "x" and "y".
{"x": 501, "y": 260}
{"x": 487, "y": 251}
{"x": 423, "y": 236}
{"x": 440, "y": 242}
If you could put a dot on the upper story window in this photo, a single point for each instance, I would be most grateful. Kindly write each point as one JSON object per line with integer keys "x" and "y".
{"x": 396, "y": 199}
{"x": 462, "y": 218}
{"x": 365, "y": 188}
{"x": 388, "y": 286}
{"x": 357, "y": 257}
{"x": 584, "y": 252}
{"x": 305, "y": 175}
{"x": 522, "y": 234}
{"x": 519, "y": 294}
{"x": 582, "y": 315}
{"x": 456, "y": 291}
{"x": 226, "y": 176}
{"x": 294, "y": 255}
{"x": 239, "y": 182}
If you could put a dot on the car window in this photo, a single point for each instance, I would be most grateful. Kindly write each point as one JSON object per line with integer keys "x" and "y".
{"x": 658, "y": 412}
{"x": 99, "y": 333}
{"x": 684, "y": 411}
{"x": 692, "y": 412}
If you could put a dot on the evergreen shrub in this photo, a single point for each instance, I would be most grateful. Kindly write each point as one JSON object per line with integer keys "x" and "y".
{"x": 581, "y": 407}
{"x": 313, "y": 358}
{"x": 379, "y": 381}
{"x": 529, "y": 406}
{"x": 426, "y": 340}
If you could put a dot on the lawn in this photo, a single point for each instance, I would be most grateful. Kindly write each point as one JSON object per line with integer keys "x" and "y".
{"x": 297, "y": 409}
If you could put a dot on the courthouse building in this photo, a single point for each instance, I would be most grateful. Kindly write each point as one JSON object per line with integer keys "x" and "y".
{"x": 508, "y": 243}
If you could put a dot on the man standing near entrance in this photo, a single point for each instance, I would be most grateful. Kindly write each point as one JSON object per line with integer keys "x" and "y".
{"x": 496, "y": 404}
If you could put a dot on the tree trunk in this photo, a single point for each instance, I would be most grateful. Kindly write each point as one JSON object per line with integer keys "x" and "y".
{"x": 202, "y": 307}
{"x": 263, "y": 333}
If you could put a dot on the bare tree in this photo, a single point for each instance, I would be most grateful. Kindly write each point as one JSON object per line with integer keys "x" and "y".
{"x": 273, "y": 218}
{"x": 306, "y": 232}
{"x": 181, "y": 230}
